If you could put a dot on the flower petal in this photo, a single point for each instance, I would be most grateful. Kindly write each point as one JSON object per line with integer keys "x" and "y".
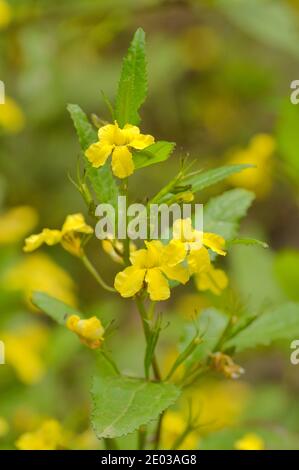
{"x": 157, "y": 285}
{"x": 141, "y": 141}
{"x": 107, "y": 133}
{"x": 139, "y": 258}
{"x": 174, "y": 253}
{"x": 122, "y": 162}
{"x": 213, "y": 279}
{"x": 129, "y": 281}
{"x": 214, "y": 242}
{"x": 176, "y": 273}
{"x": 76, "y": 223}
{"x": 33, "y": 242}
{"x": 98, "y": 153}
{"x": 51, "y": 237}
{"x": 198, "y": 260}
{"x": 182, "y": 230}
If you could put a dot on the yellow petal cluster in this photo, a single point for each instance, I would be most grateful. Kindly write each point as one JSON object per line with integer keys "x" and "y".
{"x": 12, "y": 119}
{"x": 15, "y": 223}
{"x": 118, "y": 142}
{"x": 69, "y": 236}
{"x": 23, "y": 350}
{"x": 38, "y": 272}
{"x": 259, "y": 153}
{"x": 5, "y": 14}
{"x": 250, "y": 441}
{"x": 48, "y": 437}
{"x": 90, "y": 331}
{"x": 153, "y": 266}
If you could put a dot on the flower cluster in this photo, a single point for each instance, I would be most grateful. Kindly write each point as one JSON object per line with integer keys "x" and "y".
{"x": 90, "y": 331}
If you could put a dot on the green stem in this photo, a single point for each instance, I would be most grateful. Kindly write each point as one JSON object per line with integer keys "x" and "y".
{"x": 142, "y": 437}
{"x": 158, "y": 431}
{"x": 95, "y": 274}
{"x": 110, "y": 444}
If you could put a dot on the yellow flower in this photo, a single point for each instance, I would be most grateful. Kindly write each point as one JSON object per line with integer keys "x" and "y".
{"x": 12, "y": 119}
{"x": 5, "y": 14}
{"x": 118, "y": 142}
{"x": 258, "y": 153}
{"x": 153, "y": 266}
{"x": 212, "y": 279}
{"x": 38, "y": 272}
{"x": 90, "y": 331}
{"x": 23, "y": 352}
{"x": 196, "y": 244}
{"x": 16, "y": 223}
{"x": 173, "y": 426}
{"x": 47, "y": 437}
{"x": 250, "y": 441}
{"x": 68, "y": 236}
{"x": 4, "y": 428}
{"x": 115, "y": 249}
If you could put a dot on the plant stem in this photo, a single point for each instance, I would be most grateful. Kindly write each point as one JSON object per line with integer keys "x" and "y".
{"x": 89, "y": 266}
{"x": 158, "y": 431}
{"x": 142, "y": 437}
{"x": 110, "y": 444}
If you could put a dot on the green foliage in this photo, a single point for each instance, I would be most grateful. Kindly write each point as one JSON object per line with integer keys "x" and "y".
{"x": 211, "y": 324}
{"x": 101, "y": 179}
{"x": 223, "y": 213}
{"x": 288, "y": 138}
{"x": 54, "y": 308}
{"x": 209, "y": 178}
{"x": 272, "y": 22}
{"x": 286, "y": 269}
{"x": 278, "y": 322}
{"x": 156, "y": 153}
{"x": 121, "y": 404}
{"x": 248, "y": 242}
{"x": 132, "y": 88}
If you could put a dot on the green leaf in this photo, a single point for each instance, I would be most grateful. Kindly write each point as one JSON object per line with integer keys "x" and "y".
{"x": 132, "y": 88}
{"x": 271, "y": 22}
{"x": 121, "y": 404}
{"x": 280, "y": 322}
{"x": 101, "y": 179}
{"x": 211, "y": 324}
{"x": 208, "y": 178}
{"x": 57, "y": 310}
{"x": 248, "y": 242}
{"x": 288, "y": 138}
{"x": 156, "y": 153}
{"x": 223, "y": 213}
{"x": 286, "y": 270}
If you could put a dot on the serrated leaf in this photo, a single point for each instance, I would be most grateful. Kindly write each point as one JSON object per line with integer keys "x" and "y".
{"x": 132, "y": 88}
{"x": 211, "y": 324}
{"x": 223, "y": 213}
{"x": 280, "y": 322}
{"x": 248, "y": 242}
{"x": 101, "y": 179}
{"x": 156, "y": 153}
{"x": 121, "y": 404}
{"x": 54, "y": 308}
{"x": 210, "y": 177}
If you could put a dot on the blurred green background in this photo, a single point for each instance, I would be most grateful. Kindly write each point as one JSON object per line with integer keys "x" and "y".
{"x": 219, "y": 75}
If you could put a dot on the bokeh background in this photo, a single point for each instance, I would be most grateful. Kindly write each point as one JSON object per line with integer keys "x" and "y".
{"x": 219, "y": 74}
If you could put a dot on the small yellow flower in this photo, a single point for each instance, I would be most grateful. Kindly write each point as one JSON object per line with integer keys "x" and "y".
{"x": 196, "y": 244}
{"x": 224, "y": 364}
{"x": 48, "y": 437}
{"x": 259, "y": 153}
{"x": 153, "y": 266}
{"x": 118, "y": 142}
{"x": 16, "y": 223}
{"x": 90, "y": 331}
{"x": 212, "y": 279}
{"x": 12, "y": 119}
{"x": 115, "y": 249}
{"x": 4, "y": 428}
{"x": 250, "y": 441}
{"x": 23, "y": 352}
{"x": 68, "y": 236}
{"x": 39, "y": 272}
{"x": 5, "y": 14}
{"x": 174, "y": 425}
